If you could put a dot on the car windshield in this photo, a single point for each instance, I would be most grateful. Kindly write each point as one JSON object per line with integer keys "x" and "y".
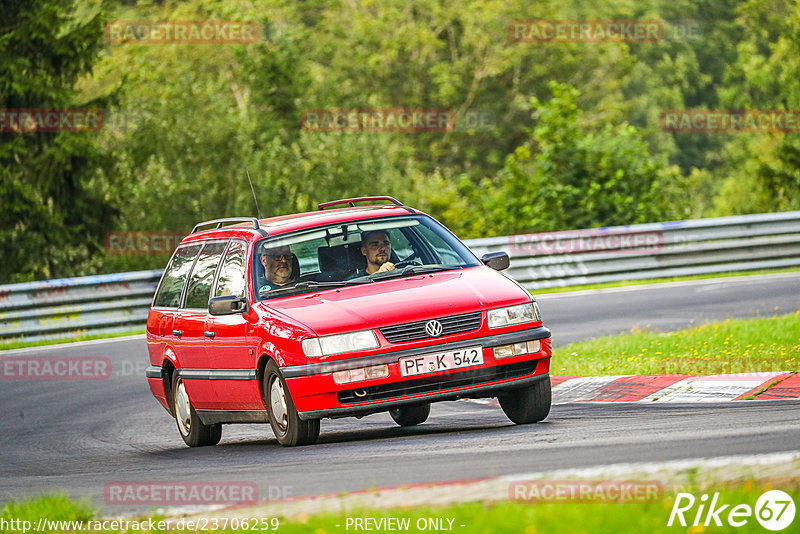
{"x": 357, "y": 252}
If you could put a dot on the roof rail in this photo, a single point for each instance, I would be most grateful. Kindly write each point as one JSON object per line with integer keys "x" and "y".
{"x": 351, "y": 202}
{"x": 220, "y": 222}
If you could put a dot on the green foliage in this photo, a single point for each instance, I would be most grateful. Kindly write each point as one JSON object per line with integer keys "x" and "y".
{"x": 574, "y": 141}
{"x": 54, "y": 209}
{"x": 571, "y": 176}
{"x": 762, "y": 172}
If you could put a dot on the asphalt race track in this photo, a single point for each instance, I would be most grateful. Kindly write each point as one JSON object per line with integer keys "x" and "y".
{"x": 78, "y": 436}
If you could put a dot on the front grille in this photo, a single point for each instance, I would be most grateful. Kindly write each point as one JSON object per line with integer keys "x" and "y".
{"x": 455, "y": 324}
{"x": 472, "y": 377}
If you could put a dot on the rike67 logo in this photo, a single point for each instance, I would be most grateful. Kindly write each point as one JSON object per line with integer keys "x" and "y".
{"x": 774, "y": 510}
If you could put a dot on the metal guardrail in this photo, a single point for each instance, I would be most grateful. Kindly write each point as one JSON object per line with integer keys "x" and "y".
{"x": 70, "y": 307}
{"x": 111, "y": 303}
{"x": 656, "y": 250}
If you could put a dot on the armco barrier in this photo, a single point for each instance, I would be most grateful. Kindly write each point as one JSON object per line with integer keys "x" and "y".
{"x": 637, "y": 252}
{"x": 69, "y": 307}
{"x": 118, "y": 302}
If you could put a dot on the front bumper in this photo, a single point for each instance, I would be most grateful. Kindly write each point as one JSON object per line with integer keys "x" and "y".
{"x": 316, "y": 395}
{"x": 491, "y": 390}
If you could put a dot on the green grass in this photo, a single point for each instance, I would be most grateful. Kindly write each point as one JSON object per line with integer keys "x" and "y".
{"x": 56, "y": 507}
{"x": 627, "y": 283}
{"x": 488, "y": 518}
{"x": 732, "y": 346}
{"x": 23, "y": 344}
{"x": 549, "y": 518}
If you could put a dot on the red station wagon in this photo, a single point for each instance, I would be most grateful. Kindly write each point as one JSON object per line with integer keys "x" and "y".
{"x": 334, "y": 313}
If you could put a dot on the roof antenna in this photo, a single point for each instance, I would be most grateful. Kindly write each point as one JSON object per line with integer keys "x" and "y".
{"x": 254, "y": 193}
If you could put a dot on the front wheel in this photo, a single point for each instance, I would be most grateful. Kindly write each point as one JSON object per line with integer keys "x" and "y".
{"x": 191, "y": 428}
{"x": 283, "y": 417}
{"x": 411, "y": 415}
{"x": 527, "y": 405}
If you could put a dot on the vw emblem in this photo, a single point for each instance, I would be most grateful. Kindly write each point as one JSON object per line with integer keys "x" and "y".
{"x": 433, "y": 328}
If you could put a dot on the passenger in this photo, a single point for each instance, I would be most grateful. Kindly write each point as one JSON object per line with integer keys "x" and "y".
{"x": 278, "y": 266}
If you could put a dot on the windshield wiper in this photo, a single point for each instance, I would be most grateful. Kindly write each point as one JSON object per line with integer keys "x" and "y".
{"x": 333, "y": 283}
{"x": 311, "y": 284}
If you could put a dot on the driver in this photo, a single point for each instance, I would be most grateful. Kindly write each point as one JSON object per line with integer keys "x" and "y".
{"x": 278, "y": 266}
{"x": 377, "y": 249}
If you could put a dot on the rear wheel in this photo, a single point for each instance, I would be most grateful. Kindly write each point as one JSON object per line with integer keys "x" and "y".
{"x": 191, "y": 428}
{"x": 527, "y": 405}
{"x": 283, "y": 417}
{"x": 411, "y": 415}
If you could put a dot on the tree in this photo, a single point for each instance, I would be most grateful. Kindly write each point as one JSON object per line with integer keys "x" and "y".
{"x": 569, "y": 176}
{"x": 761, "y": 171}
{"x": 54, "y": 210}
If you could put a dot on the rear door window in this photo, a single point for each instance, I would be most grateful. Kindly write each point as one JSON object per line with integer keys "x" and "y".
{"x": 199, "y": 289}
{"x": 171, "y": 286}
{"x": 231, "y": 279}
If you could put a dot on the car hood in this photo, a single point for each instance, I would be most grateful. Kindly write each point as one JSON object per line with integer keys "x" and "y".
{"x": 401, "y": 300}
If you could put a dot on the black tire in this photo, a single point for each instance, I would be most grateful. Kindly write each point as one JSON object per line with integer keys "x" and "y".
{"x": 190, "y": 427}
{"x": 527, "y": 405}
{"x": 283, "y": 418}
{"x": 411, "y": 415}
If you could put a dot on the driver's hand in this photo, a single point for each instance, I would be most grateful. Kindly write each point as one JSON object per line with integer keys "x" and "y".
{"x": 388, "y": 266}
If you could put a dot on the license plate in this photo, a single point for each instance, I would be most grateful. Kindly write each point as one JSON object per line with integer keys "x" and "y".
{"x": 441, "y": 361}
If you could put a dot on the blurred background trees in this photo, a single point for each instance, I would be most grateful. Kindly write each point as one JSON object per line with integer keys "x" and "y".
{"x": 574, "y": 140}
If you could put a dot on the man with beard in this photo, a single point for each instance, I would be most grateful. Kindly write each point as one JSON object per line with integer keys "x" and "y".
{"x": 376, "y": 247}
{"x": 277, "y": 264}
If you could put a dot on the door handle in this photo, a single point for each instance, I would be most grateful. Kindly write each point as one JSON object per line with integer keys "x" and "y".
{"x": 209, "y": 334}
{"x": 177, "y": 332}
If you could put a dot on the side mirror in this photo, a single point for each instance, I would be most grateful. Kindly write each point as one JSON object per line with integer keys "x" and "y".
{"x": 227, "y": 305}
{"x": 496, "y": 260}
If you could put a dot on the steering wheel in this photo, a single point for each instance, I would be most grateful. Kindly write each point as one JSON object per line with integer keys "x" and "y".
{"x": 410, "y": 260}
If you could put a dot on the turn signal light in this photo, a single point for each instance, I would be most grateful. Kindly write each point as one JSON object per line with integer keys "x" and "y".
{"x": 517, "y": 349}
{"x": 362, "y": 373}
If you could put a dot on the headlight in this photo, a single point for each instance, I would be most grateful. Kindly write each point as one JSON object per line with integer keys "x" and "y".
{"x": 336, "y": 344}
{"x": 523, "y": 313}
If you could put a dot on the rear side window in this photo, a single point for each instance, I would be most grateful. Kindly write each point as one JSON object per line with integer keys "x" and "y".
{"x": 199, "y": 288}
{"x": 171, "y": 287}
{"x": 232, "y": 273}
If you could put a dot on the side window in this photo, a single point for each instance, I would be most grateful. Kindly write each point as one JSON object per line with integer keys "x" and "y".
{"x": 171, "y": 287}
{"x": 199, "y": 288}
{"x": 231, "y": 279}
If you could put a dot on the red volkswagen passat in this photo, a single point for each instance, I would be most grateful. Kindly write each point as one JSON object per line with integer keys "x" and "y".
{"x": 339, "y": 312}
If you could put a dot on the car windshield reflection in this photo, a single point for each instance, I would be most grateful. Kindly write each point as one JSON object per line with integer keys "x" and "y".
{"x": 355, "y": 253}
